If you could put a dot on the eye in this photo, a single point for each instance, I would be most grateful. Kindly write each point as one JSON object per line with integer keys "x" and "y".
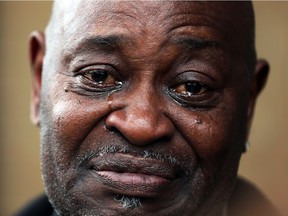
{"x": 191, "y": 89}
{"x": 100, "y": 77}
{"x": 193, "y": 93}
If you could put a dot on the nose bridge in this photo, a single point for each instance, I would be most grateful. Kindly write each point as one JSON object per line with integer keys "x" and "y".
{"x": 141, "y": 120}
{"x": 144, "y": 105}
{"x": 143, "y": 112}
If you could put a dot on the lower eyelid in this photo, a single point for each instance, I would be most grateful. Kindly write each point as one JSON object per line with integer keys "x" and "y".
{"x": 207, "y": 99}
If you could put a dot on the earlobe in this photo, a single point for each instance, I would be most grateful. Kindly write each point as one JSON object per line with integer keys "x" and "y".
{"x": 36, "y": 55}
{"x": 257, "y": 84}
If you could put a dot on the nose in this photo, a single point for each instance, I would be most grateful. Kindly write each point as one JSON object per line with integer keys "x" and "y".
{"x": 141, "y": 120}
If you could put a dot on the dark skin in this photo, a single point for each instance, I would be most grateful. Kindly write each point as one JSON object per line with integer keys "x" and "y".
{"x": 149, "y": 101}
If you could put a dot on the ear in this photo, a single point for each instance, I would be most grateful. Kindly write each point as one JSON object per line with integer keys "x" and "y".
{"x": 257, "y": 83}
{"x": 36, "y": 55}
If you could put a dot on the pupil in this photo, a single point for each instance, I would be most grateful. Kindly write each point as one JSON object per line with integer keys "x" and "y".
{"x": 99, "y": 75}
{"x": 193, "y": 87}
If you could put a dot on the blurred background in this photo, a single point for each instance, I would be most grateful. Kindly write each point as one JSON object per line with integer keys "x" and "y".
{"x": 265, "y": 164}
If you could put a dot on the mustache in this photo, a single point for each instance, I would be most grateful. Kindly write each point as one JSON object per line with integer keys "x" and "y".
{"x": 145, "y": 154}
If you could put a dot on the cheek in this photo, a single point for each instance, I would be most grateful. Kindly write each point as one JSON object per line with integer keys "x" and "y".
{"x": 70, "y": 118}
{"x": 214, "y": 136}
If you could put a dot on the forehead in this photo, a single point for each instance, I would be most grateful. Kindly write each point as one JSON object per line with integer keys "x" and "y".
{"x": 148, "y": 11}
{"x": 85, "y": 17}
{"x": 150, "y": 22}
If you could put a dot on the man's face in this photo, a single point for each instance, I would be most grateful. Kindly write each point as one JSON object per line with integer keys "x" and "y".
{"x": 143, "y": 108}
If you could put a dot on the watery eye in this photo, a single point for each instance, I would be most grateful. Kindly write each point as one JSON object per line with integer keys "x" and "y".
{"x": 191, "y": 88}
{"x": 101, "y": 77}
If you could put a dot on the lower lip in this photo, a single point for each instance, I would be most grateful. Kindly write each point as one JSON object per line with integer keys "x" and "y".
{"x": 133, "y": 178}
{"x": 133, "y": 183}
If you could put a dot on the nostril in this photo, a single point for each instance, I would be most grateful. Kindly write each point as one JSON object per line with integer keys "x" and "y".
{"x": 166, "y": 138}
{"x": 110, "y": 128}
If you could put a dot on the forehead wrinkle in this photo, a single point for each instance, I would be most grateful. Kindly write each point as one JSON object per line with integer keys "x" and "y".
{"x": 121, "y": 14}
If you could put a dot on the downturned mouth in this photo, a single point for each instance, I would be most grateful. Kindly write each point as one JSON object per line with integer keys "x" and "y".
{"x": 132, "y": 175}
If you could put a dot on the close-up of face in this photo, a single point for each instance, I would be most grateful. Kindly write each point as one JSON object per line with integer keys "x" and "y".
{"x": 144, "y": 107}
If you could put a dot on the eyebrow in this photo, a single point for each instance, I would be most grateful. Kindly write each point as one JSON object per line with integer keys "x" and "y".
{"x": 195, "y": 43}
{"x": 116, "y": 41}
{"x": 109, "y": 43}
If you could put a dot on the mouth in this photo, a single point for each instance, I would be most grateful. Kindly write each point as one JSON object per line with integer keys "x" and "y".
{"x": 130, "y": 175}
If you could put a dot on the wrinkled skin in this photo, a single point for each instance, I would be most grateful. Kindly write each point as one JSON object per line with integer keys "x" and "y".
{"x": 146, "y": 100}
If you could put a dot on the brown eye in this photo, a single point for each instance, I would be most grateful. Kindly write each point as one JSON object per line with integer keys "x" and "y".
{"x": 101, "y": 77}
{"x": 191, "y": 88}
